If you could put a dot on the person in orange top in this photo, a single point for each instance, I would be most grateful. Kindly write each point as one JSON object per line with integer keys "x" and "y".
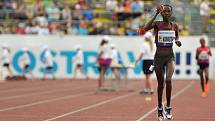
{"x": 202, "y": 56}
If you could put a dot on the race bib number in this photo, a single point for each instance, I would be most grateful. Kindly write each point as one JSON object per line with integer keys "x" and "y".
{"x": 203, "y": 56}
{"x": 166, "y": 37}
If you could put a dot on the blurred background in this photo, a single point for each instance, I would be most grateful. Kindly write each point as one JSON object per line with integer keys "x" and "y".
{"x": 61, "y": 24}
{"x": 93, "y": 17}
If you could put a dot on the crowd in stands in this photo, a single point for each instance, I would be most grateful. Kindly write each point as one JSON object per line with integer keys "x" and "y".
{"x": 56, "y": 17}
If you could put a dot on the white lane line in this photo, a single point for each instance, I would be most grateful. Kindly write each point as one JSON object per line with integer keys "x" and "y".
{"x": 91, "y": 106}
{"x": 173, "y": 97}
{"x": 42, "y": 102}
{"x": 27, "y": 89}
{"x": 46, "y": 92}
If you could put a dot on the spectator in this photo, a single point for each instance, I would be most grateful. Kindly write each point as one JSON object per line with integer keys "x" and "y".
{"x": 72, "y": 29}
{"x": 88, "y": 14}
{"x": 31, "y": 28}
{"x": 127, "y": 6}
{"x": 204, "y": 12}
{"x": 137, "y": 6}
{"x": 111, "y": 4}
{"x": 20, "y": 28}
{"x": 43, "y": 30}
{"x": 66, "y": 13}
{"x": 53, "y": 13}
{"x": 77, "y": 14}
{"x": 41, "y": 19}
{"x": 38, "y": 7}
{"x": 8, "y": 4}
{"x": 20, "y": 13}
{"x": 54, "y": 28}
{"x": 82, "y": 30}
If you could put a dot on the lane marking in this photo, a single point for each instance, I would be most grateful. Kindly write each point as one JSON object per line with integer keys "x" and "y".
{"x": 173, "y": 97}
{"x": 27, "y": 89}
{"x": 46, "y": 92}
{"x": 91, "y": 106}
{"x": 42, "y": 102}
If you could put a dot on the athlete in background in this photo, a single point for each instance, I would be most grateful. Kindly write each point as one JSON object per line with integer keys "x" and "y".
{"x": 202, "y": 56}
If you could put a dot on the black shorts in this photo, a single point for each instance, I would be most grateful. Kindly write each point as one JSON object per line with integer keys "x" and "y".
{"x": 27, "y": 67}
{"x": 79, "y": 65}
{"x": 49, "y": 68}
{"x": 161, "y": 59}
{"x": 146, "y": 66}
{"x": 203, "y": 66}
{"x": 6, "y": 65}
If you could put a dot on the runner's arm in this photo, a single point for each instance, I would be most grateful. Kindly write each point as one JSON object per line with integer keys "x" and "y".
{"x": 177, "y": 42}
{"x": 151, "y": 24}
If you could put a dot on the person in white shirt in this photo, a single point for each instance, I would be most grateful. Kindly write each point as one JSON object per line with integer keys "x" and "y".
{"x": 147, "y": 56}
{"x": 78, "y": 60}
{"x": 111, "y": 4}
{"x": 204, "y": 12}
{"x": 48, "y": 62}
{"x": 115, "y": 63}
{"x": 5, "y": 58}
{"x": 25, "y": 60}
{"x": 103, "y": 60}
{"x": 43, "y": 31}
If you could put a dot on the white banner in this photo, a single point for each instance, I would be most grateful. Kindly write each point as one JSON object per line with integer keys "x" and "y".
{"x": 129, "y": 47}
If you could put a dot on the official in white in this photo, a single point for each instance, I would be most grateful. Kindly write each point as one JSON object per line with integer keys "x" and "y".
{"x": 115, "y": 67}
{"x": 147, "y": 56}
{"x": 6, "y": 59}
{"x": 48, "y": 62}
{"x": 25, "y": 60}
{"x": 103, "y": 60}
{"x": 79, "y": 62}
{"x": 115, "y": 63}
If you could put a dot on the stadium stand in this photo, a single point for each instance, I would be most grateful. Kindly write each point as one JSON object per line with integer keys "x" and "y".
{"x": 92, "y": 17}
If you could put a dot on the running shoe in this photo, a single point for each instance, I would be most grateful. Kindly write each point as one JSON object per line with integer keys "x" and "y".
{"x": 168, "y": 113}
{"x": 145, "y": 91}
{"x": 203, "y": 94}
{"x": 161, "y": 116}
{"x": 151, "y": 91}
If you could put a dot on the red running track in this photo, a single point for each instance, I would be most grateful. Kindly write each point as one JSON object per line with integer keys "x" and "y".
{"x": 64, "y": 100}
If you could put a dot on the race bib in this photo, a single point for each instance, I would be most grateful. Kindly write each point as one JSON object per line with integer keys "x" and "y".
{"x": 203, "y": 56}
{"x": 166, "y": 37}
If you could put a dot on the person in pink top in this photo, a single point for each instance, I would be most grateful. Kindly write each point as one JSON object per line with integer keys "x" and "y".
{"x": 202, "y": 56}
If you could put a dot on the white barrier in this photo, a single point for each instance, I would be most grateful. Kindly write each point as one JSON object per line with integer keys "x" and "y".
{"x": 129, "y": 47}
